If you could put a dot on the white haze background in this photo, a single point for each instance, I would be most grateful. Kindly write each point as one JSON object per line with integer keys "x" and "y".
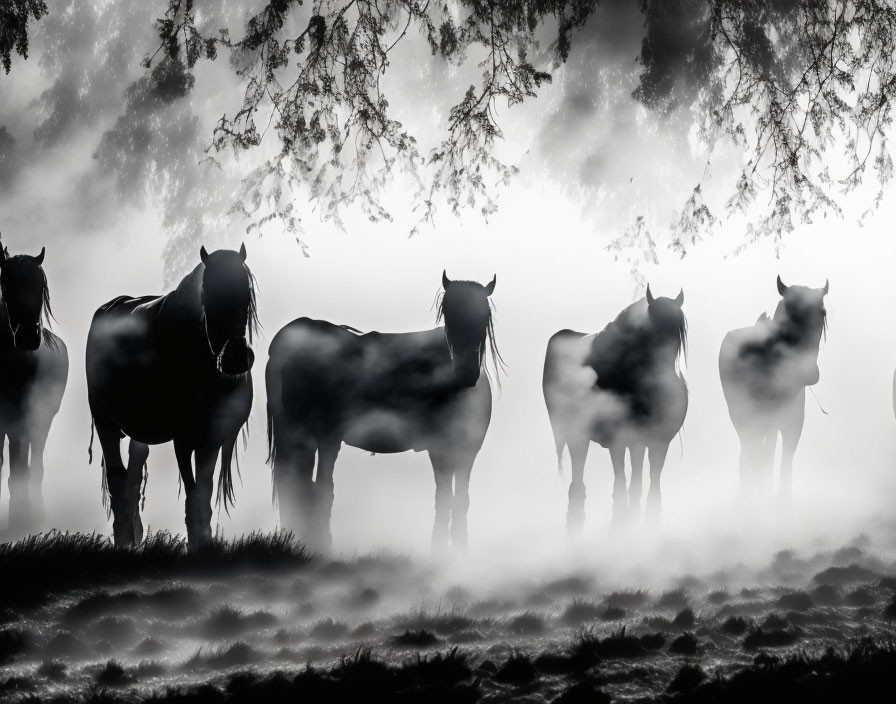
{"x": 591, "y": 161}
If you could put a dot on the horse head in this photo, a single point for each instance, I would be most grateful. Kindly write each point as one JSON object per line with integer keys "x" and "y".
{"x": 228, "y": 308}
{"x": 805, "y": 309}
{"x": 23, "y": 287}
{"x": 468, "y": 324}
{"x": 667, "y": 317}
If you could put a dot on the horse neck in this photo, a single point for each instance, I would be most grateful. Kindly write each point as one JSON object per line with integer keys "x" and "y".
{"x": 5, "y": 330}
{"x": 182, "y": 307}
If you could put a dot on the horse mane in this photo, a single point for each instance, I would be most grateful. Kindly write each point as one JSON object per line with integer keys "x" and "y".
{"x": 499, "y": 366}
{"x": 633, "y": 315}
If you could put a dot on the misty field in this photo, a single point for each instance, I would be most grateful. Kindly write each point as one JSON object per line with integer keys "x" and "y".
{"x": 259, "y": 619}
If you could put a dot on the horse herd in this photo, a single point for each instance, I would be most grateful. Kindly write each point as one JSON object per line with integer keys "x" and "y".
{"x": 177, "y": 368}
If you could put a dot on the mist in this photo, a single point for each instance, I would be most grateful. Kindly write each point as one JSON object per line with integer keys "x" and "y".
{"x": 120, "y": 216}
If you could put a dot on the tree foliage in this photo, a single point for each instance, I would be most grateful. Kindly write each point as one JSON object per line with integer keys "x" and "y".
{"x": 14, "y": 18}
{"x": 797, "y": 85}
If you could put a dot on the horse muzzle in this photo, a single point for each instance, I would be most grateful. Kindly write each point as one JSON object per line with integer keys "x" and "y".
{"x": 236, "y": 357}
{"x": 467, "y": 368}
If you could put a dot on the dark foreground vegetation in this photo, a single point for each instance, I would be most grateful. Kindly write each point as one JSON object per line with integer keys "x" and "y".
{"x": 865, "y": 672}
{"x": 54, "y": 562}
{"x": 258, "y": 620}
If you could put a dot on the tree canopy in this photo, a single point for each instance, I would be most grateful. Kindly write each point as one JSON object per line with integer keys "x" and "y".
{"x": 800, "y": 88}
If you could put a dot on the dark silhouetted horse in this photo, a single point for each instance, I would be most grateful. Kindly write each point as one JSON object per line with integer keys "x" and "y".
{"x": 620, "y": 388}
{"x": 33, "y": 373}
{"x": 174, "y": 368}
{"x": 328, "y": 384}
{"x": 765, "y": 370}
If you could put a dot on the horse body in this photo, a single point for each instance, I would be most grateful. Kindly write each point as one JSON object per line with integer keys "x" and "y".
{"x": 621, "y": 389}
{"x": 153, "y": 375}
{"x": 33, "y": 375}
{"x": 384, "y": 393}
{"x": 764, "y": 370}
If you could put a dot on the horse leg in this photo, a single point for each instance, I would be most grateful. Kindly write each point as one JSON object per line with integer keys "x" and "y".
{"x": 138, "y": 453}
{"x": 791, "y": 430}
{"x": 116, "y": 482}
{"x": 636, "y": 453}
{"x": 183, "y": 452}
{"x": 657, "y": 459}
{"x": 461, "y": 504}
{"x": 321, "y": 537}
{"x": 766, "y": 465}
{"x": 292, "y": 474}
{"x": 575, "y": 513}
{"x": 19, "y": 500}
{"x": 441, "y": 469}
{"x": 620, "y": 493}
{"x": 201, "y": 497}
{"x": 38, "y": 439}
{"x": 750, "y": 442}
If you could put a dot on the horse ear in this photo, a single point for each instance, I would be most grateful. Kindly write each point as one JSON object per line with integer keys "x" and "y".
{"x": 446, "y": 282}
{"x": 782, "y": 289}
{"x": 243, "y": 251}
{"x": 490, "y": 289}
{"x": 679, "y": 299}
{"x": 827, "y": 287}
{"x": 40, "y": 257}
{"x": 649, "y": 296}
{"x": 203, "y": 255}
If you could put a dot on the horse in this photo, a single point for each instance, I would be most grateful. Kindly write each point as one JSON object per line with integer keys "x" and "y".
{"x": 174, "y": 368}
{"x": 765, "y": 369}
{"x": 621, "y": 388}
{"x": 384, "y": 393}
{"x": 33, "y": 375}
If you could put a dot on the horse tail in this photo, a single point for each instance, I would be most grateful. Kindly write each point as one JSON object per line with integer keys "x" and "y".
{"x": 90, "y": 446}
{"x": 272, "y": 446}
{"x": 229, "y": 458}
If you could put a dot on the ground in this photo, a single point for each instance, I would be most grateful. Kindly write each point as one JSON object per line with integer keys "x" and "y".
{"x": 261, "y": 620}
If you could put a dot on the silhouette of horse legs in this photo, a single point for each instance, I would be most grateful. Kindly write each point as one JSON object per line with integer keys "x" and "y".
{"x": 757, "y": 451}
{"x": 444, "y": 497}
{"x": 575, "y": 513}
{"x": 124, "y": 488}
{"x": 19, "y": 500}
{"x": 138, "y": 453}
{"x": 38, "y": 439}
{"x": 293, "y": 481}
{"x": 322, "y": 495}
{"x": 791, "y": 430}
{"x": 461, "y": 505}
{"x": 657, "y": 458}
{"x": 636, "y": 453}
{"x": 452, "y": 474}
{"x": 620, "y": 490}
{"x": 198, "y": 513}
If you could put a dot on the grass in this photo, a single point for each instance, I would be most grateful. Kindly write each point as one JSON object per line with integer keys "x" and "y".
{"x": 518, "y": 670}
{"x": 864, "y": 673}
{"x": 53, "y": 562}
{"x": 581, "y": 610}
{"x": 420, "y": 638}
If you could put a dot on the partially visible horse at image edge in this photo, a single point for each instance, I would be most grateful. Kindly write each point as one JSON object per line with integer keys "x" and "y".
{"x": 33, "y": 376}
